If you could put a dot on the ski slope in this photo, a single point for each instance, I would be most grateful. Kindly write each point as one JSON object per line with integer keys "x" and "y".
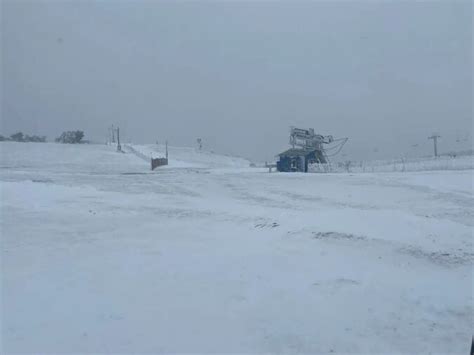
{"x": 102, "y": 255}
{"x": 183, "y": 157}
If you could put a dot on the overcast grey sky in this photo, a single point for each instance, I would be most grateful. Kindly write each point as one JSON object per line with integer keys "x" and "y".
{"x": 238, "y": 74}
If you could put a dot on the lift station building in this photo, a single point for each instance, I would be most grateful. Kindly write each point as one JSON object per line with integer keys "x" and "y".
{"x": 298, "y": 159}
{"x": 307, "y": 148}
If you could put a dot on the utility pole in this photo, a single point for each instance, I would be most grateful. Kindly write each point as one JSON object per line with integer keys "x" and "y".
{"x": 119, "y": 147}
{"x": 435, "y": 137}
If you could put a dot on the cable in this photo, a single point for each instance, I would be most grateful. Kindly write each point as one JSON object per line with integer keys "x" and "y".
{"x": 341, "y": 145}
{"x": 342, "y": 142}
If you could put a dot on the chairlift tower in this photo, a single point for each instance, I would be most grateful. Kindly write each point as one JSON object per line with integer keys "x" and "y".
{"x": 435, "y": 137}
{"x": 307, "y": 139}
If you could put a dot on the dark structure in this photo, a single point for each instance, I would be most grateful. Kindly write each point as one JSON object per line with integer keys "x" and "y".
{"x": 156, "y": 162}
{"x": 297, "y": 159}
{"x": 308, "y": 148}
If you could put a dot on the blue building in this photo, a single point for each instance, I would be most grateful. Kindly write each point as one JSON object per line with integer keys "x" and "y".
{"x": 298, "y": 159}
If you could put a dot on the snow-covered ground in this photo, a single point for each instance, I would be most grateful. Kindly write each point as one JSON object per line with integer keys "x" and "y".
{"x": 99, "y": 254}
{"x": 460, "y": 162}
{"x": 183, "y": 157}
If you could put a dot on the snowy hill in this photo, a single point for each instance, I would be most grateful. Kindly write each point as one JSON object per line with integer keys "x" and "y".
{"x": 182, "y": 157}
{"x": 86, "y": 158}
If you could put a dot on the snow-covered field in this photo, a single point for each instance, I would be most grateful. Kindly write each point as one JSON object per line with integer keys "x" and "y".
{"x": 101, "y": 255}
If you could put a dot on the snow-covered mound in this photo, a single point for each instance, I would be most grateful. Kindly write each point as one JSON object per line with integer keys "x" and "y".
{"x": 184, "y": 157}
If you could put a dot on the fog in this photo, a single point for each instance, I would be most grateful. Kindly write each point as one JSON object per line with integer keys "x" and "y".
{"x": 238, "y": 74}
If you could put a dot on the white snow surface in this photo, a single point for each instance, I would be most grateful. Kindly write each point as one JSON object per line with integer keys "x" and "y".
{"x": 102, "y": 255}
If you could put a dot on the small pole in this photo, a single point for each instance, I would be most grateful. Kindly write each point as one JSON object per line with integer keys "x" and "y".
{"x": 119, "y": 147}
{"x": 166, "y": 150}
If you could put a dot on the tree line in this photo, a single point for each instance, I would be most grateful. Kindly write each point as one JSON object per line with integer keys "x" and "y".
{"x": 20, "y": 137}
{"x": 67, "y": 137}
